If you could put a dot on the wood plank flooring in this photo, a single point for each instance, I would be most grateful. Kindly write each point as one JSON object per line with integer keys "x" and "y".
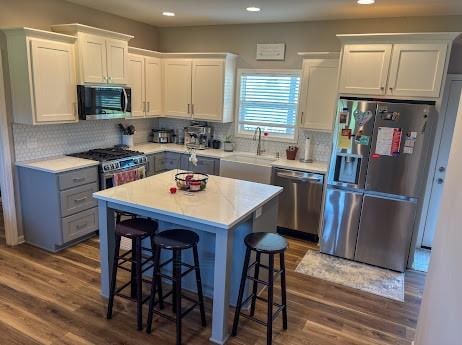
{"x": 54, "y": 299}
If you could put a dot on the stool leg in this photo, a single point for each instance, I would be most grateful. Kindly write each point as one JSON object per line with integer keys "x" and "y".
{"x": 269, "y": 326}
{"x": 255, "y": 285}
{"x": 175, "y": 258}
{"x": 139, "y": 286}
{"x": 154, "y": 280}
{"x": 114, "y": 277}
{"x": 133, "y": 270}
{"x": 156, "y": 255}
{"x": 241, "y": 292}
{"x": 177, "y": 276}
{"x": 282, "y": 266}
{"x": 199, "y": 285}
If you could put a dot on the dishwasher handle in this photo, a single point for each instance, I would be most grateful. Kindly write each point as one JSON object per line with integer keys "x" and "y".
{"x": 300, "y": 176}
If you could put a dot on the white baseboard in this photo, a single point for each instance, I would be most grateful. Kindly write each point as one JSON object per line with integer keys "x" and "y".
{"x": 21, "y": 239}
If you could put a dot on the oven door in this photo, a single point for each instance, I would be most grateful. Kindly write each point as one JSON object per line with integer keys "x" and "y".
{"x": 119, "y": 177}
{"x": 103, "y": 102}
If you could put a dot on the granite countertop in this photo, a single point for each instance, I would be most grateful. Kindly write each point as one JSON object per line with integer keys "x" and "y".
{"x": 224, "y": 202}
{"x": 58, "y": 164}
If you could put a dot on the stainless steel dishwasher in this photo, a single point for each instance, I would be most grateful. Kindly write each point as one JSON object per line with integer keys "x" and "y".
{"x": 300, "y": 201}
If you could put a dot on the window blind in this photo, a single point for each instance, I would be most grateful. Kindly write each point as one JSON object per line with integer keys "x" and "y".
{"x": 269, "y": 101}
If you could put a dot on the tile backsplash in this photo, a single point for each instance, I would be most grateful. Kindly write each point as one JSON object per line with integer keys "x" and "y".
{"x": 33, "y": 142}
{"x": 320, "y": 141}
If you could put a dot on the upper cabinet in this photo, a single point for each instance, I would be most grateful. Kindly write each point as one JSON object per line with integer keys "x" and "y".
{"x": 145, "y": 81}
{"x": 199, "y": 86}
{"x": 102, "y": 54}
{"x": 394, "y": 65}
{"x": 42, "y": 76}
{"x": 318, "y": 91}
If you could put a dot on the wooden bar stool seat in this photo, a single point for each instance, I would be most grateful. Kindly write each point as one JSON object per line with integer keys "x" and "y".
{"x": 176, "y": 241}
{"x": 270, "y": 244}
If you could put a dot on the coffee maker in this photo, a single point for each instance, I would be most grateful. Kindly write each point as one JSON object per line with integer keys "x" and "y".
{"x": 197, "y": 136}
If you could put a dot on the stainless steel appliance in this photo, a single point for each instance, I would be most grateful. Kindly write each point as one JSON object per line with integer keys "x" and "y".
{"x": 103, "y": 102}
{"x": 300, "y": 201}
{"x": 114, "y": 161}
{"x": 375, "y": 180}
{"x": 162, "y": 136}
{"x": 197, "y": 136}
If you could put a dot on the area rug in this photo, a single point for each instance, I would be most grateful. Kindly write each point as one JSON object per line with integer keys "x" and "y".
{"x": 360, "y": 276}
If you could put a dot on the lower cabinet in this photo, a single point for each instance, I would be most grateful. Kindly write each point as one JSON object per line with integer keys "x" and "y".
{"x": 164, "y": 161}
{"x": 58, "y": 209}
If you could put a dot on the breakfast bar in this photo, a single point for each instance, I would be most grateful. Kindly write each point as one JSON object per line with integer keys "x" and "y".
{"x": 222, "y": 214}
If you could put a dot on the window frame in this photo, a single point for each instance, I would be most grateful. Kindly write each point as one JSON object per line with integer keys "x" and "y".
{"x": 240, "y": 72}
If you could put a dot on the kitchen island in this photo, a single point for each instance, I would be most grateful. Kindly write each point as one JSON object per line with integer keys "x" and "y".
{"x": 221, "y": 215}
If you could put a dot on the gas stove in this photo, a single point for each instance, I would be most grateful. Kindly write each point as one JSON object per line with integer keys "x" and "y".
{"x": 114, "y": 158}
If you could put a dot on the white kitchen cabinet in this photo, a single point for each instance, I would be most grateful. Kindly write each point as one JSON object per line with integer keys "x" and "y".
{"x": 403, "y": 66}
{"x": 417, "y": 69}
{"x": 42, "y": 76}
{"x": 144, "y": 79}
{"x": 318, "y": 94}
{"x": 177, "y": 87}
{"x": 200, "y": 86}
{"x": 103, "y": 54}
{"x": 365, "y": 68}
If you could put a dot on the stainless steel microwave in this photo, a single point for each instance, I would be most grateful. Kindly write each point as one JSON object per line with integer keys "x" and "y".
{"x": 103, "y": 102}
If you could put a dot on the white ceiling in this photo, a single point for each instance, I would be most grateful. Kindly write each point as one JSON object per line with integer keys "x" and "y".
{"x": 210, "y": 12}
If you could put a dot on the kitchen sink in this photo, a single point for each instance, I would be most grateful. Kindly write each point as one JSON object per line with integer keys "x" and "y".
{"x": 247, "y": 167}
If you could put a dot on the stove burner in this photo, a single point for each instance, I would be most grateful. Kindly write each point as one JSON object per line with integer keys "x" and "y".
{"x": 109, "y": 154}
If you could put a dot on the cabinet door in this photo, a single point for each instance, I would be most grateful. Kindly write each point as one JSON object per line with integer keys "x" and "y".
{"x": 177, "y": 87}
{"x": 207, "y": 89}
{"x": 93, "y": 58}
{"x": 53, "y": 78}
{"x": 136, "y": 80}
{"x": 153, "y": 76}
{"x": 319, "y": 93}
{"x": 417, "y": 69}
{"x": 364, "y": 69}
{"x": 117, "y": 61}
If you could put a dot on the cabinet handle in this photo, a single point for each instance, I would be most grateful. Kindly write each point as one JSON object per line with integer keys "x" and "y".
{"x": 301, "y": 118}
{"x": 188, "y": 108}
{"x": 382, "y": 87}
{"x": 74, "y": 106}
{"x": 144, "y": 107}
{"x": 110, "y": 79}
{"x": 81, "y": 199}
{"x": 81, "y": 226}
{"x": 391, "y": 89}
{"x": 149, "y": 107}
{"x": 78, "y": 179}
{"x": 192, "y": 109}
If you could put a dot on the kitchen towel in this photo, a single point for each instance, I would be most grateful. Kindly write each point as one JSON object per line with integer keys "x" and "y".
{"x": 127, "y": 176}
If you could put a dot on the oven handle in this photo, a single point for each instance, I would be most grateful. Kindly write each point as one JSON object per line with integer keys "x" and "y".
{"x": 126, "y": 99}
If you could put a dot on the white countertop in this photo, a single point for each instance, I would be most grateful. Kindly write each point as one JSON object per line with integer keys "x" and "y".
{"x": 151, "y": 148}
{"x": 223, "y": 203}
{"x": 58, "y": 164}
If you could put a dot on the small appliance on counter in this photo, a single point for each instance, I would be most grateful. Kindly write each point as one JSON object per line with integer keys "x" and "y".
{"x": 162, "y": 136}
{"x": 197, "y": 136}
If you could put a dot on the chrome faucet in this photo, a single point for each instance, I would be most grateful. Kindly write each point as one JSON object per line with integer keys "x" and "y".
{"x": 259, "y": 150}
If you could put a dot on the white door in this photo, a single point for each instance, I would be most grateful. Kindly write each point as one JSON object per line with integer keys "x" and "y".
{"x": 93, "y": 56}
{"x": 177, "y": 87}
{"x": 207, "y": 89}
{"x": 454, "y": 90}
{"x": 417, "y": 69}
{"x": 364, "y": 69}
{"x": 136, "y": 73}
{"x": 319, "y": 94}
{"x": 53, "y": 74}
{"x": 153, "y": 75}
{"x": 117, "y": 61}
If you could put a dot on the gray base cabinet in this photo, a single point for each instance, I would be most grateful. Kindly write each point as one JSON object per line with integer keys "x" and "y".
{"x": 58, "y": 209}
{"x": 164, "y": 161}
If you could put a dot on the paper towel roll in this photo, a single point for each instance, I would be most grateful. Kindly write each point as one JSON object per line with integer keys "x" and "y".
{"x": 307, "y": 156}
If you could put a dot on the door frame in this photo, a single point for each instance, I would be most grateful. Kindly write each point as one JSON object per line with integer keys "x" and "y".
{"x": 6, "y": 165}
{"x": 434, "y": 156}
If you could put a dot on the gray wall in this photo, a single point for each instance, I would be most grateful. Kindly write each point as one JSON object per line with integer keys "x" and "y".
{"x": 304, "y": 36}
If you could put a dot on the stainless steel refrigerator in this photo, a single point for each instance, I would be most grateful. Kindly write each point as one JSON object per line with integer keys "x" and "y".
{"x": 375, "y": 180}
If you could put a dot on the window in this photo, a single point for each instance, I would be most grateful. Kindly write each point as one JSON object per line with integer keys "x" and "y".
{"x": 269, "y": 100}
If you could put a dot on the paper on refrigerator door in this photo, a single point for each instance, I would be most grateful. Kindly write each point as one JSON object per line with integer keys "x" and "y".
{"x": 388, "y": 141}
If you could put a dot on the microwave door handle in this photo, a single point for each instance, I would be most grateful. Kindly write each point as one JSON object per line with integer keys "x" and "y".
{"x": 125, "y": 99}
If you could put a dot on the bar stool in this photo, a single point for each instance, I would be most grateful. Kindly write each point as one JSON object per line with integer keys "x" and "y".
{"x": 136, "y": 229}
{"x": 270, "y": 244}
{"x": 176, "y": 241}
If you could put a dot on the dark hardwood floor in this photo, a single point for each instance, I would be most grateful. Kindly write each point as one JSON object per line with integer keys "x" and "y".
{"x": 54, "y": 299}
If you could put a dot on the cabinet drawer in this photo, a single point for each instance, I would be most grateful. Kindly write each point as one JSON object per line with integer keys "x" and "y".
{"x": 77, "y": 178}
{"x": 78, "y": 199}
{"x": 79, "y": 224}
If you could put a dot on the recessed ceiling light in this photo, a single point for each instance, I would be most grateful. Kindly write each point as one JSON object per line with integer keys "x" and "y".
{"x": 168, "y": 14}
{"x": 366, "y": 2}
{"x": 253, "y": 9}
